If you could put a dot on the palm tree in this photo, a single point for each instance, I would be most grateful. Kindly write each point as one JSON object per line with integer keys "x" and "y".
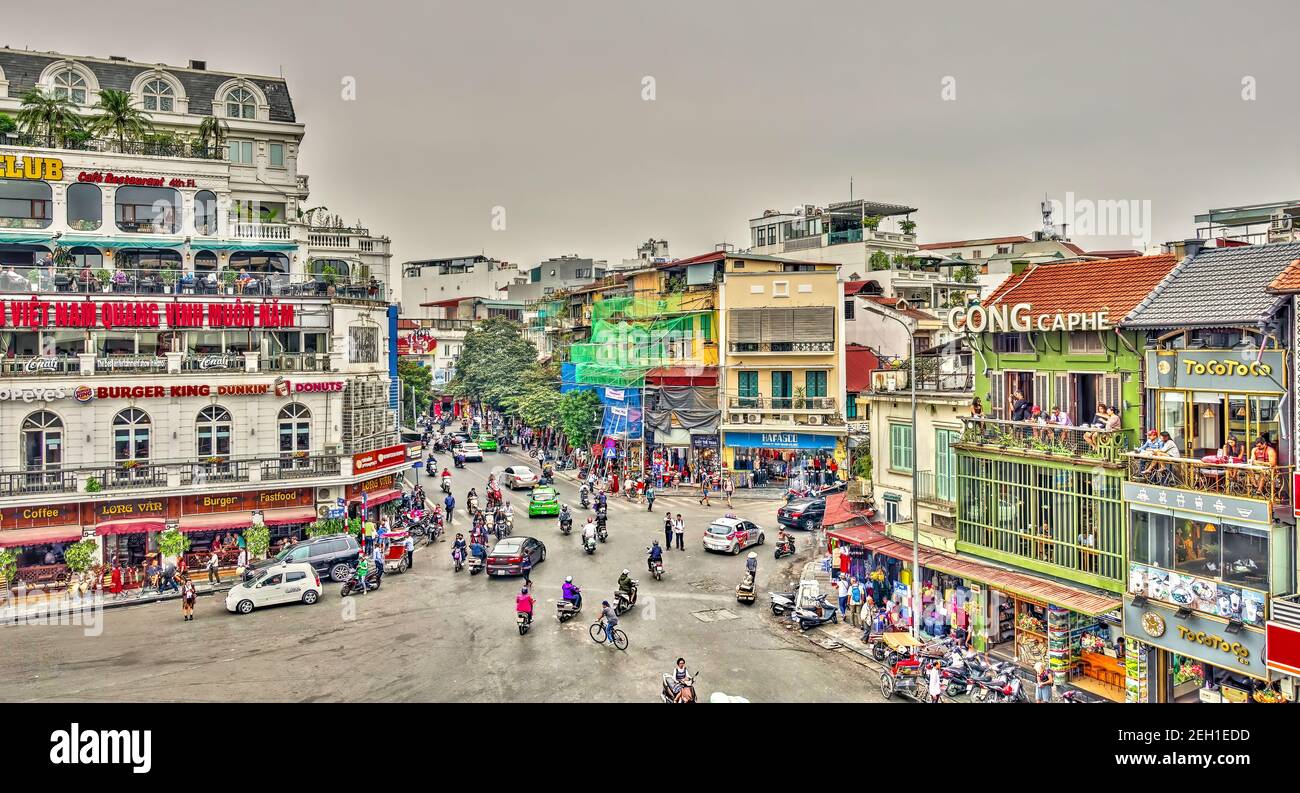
{"x": 214, "y": 129}
{"x": 119, "y": 117}
{"x": 55, "y": 116}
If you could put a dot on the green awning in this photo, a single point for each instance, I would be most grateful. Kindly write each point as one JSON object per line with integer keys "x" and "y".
{"x": 26, "y": 238}
{"x": 72, "y": 240}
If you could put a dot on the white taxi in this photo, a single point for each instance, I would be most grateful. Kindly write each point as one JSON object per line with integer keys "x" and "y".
{"x": 282, "y": 583}
{"x": 731, "y": 535}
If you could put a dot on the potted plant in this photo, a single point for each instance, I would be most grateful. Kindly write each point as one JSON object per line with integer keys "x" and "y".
{"x": 79, "y": 557}
{"x": 104, "y": 277}
{"x": 228, "y": 281}
{"x": 331, "y": 277}
{"x": 169, "y": 279}
{"x": 173, "y": 543}
{"x": 128, "y": 465}
{"x": 8, "y": 567}
{"x": 871, "y": 223}
{"x": 908, "y": 226}
{"x": 257, "y": 538}
{"x": 93, "y": 485}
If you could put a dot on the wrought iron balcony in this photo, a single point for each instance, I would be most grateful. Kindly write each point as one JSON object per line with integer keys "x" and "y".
{"x": 1048, "y": 440}
{"x": 817, "y": 347}
{"x": 1241, "y": 480}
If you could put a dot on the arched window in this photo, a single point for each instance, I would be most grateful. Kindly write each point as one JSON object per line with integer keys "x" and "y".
{"x": 240, "y": 103}
{"x": 148, "y": 210}
{"x": 131, "y": 435}
{"x": 213, "y": 428}
{"x": 259, "y": 261}
{"x": 69, "y": 84}
{"x": 295, "y": 430}
{"x": 25, "y": 204}
{"x": 205, "y": 262}
{"x": 42, "y": 441}
{"x": 205, "y": 212}
{"x": 158, "y": 95}
{"x": 85, "y": 207}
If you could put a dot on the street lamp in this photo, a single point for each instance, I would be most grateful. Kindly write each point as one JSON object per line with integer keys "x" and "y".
{"x": 916, "y": 526}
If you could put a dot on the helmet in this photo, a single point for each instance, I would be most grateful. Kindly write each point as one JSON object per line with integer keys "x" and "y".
{"x": 625, "y": 572}
{"x": 568, "y": 579}
{"x": 656, "y": 542}
{"x": 524, "y": 591}
{"x": 753, "y": 555}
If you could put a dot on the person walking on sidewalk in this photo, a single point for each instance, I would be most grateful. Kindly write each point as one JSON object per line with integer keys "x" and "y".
{"x": 842, "y": 590}
{"x": 410, "y": 552}
{"x": 727, "y": 489}
{"x": 935, "y": 677}
{"x": 1042, "y": 683}
{"x": 213, "y": 561}
{"x": 115, "y": 580}
{"x": 679, "y": 531}
{"x": 704, "y": 490}
{"x": 668, "y": 531}
{"x": 855, "y": 602}
{"x": 188, "y": 596}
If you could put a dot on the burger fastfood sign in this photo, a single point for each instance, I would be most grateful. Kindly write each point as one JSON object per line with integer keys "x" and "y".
{"x": 1020, "y": 318}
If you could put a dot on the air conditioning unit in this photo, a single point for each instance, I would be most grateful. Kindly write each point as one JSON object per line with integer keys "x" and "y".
{"x": 332, "y": 448}
{"x": 754, "y": 418}
{"x": 736, "y": 418}
{"x": 814, "y": 419}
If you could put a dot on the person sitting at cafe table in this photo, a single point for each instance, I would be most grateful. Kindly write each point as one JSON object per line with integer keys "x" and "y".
{"x": 1107, "y": 420}
{"x": 244, "y": 279}
{"x": 187, "y": 281}
{"x": 1058, "y": 421}
{"x": 1262, "y": 455}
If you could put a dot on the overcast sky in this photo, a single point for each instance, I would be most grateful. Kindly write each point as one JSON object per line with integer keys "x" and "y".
{"x": 537, "y": 107}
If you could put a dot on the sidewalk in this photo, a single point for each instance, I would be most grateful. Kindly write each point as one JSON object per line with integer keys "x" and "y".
{"x": 19, "y": 608}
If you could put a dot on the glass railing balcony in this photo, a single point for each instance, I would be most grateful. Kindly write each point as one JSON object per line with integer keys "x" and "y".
{"x": 155, "y": 281}
{"x": 1241, "y": 480}
{"x": 145, "y": 474}
{"x": 1048, "y": 440}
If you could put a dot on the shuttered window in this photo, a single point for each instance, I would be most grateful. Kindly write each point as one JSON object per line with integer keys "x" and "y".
{"x": 997, "y": 406}
{"x": 778, "y": 324}
{"x": 745, "y": 325}
{"x": 900, "y": 447}
{"x": 781, "y": 325}
{"x": 814, "y": 324}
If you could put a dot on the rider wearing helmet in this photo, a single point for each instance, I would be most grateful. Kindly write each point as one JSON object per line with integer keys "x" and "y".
{"x": 524, "y": 603}
{"x": 751, "y": 566}
{"x": 656, "y": 554}
{"x": 565, "y": 517}
{"x": 626, "y": 586}
{"x": 571, "y": 592}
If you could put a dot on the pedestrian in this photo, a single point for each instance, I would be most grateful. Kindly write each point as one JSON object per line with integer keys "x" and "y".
{"x": 728, "y": 487}
{"x": 842, "y": 590}
{"x": 751, "y": 567}
{"x": 213, "y": 561}
{"x": 1042, "y": 683}
{"x": 526, "y": 569}
{"x": 936, "y": 681}
{"x": 679, "y": 531}
{"x": 704, "y": 491}
{"x": 410, "y": 551}
{"x": 855, "y": 602}
{"x": 668, "y": 531}
{"x": 836, "y": 552}
{"x": 241, "y": 563}
{"x": 650, "y": 497}
{"x": 188, "y": 596}
{"x": 377, "y": 556}
{"x": 115, "y": 580}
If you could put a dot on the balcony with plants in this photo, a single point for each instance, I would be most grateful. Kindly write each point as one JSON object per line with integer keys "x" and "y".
{"x": 1048, "y": 441}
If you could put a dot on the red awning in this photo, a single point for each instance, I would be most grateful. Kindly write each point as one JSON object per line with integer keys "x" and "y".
{"x": 1027, "y": 586}
{"x": 130, "y": 526}
{"x": 379, "y": 497}
{"x": 288, "y": 515}
{"x": 14, "y": 538}
{"x": 218, "y": 521}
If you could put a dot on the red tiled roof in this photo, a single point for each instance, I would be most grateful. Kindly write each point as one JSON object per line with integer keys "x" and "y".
{"x": 1288, "y": 281}
{"x": 1123, "y": 253}
{"x": 840, "y": 510}
{"x": 407, "y": 324}
{"x": 1114, "y": 285}
{"x": 859, "y": 363}
{"x": 892, "y": 302}
{"x": 852, "y": 287}
{"x": 933, "y": 246}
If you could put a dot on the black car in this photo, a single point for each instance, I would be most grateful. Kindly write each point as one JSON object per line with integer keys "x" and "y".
{"x": 802, "y": 513}
{"x": 507, "y": 556}
{"x": 334, "y": 556}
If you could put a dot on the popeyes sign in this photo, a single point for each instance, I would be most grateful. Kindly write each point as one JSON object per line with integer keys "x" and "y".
{"x": 1020, "y": 318}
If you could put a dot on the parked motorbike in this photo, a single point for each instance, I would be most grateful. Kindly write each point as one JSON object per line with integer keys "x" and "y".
{"x": 823, "y": 612}
{"x": 782, "y": 602}
{"x": 784, "y": 548}
{"x": 1004, "y": 686}
{"x": 1077, "y": 697}
{"x": 353, "y": 584}
{"x": 666, "y": 694}
{"x": 523, "y": 619}
{"x": 624, "y": 602}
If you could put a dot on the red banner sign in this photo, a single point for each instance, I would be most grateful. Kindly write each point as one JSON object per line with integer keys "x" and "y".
{"x": 371, "y": 486}
{"x": 107, "y": 177}
{"x": 33, "y": 313}
{"x": 378, "y": 459}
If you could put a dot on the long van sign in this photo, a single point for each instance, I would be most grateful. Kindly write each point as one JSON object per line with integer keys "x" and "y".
{"x": 1020, "y": 318}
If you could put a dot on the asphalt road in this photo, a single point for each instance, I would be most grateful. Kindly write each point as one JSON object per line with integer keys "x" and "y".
{"x": 435, "y": 635}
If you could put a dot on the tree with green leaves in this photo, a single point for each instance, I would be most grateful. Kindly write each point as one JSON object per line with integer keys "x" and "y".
{"x": 7, "y": 124}
{"x": 871, "y": 222}
{"x": 580, "y": 414}
{"x": 416, "y": 382}
{"x": 258, "y": 540}
{"x": 965, "y": 274}
{"x": 493, "y": 361}
{"x": 119, "y": 117}
{"x": 173, "y": 543}
{"x": 326, "y": 527}
{"x": 879, "y": 260}
{"x": 49, "y": 115}
{"x": 212, "y": 132}
{"x": 908, "y": 226}
{"x": 79, "y": 556}
{"x": 8, "y": 567}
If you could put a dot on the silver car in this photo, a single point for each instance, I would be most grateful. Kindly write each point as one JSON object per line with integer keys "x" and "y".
{"x": 517, "y": 476}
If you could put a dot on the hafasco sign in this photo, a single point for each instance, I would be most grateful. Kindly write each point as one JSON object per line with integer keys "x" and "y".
{"x": 380, "y": 458}
{"x": 36, "y": 168}
{"x": 1019, "y": 318}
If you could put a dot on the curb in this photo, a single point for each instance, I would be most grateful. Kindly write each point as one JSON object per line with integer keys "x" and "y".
{"x": 59, "y": 609}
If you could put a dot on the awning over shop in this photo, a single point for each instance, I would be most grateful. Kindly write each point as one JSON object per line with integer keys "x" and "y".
{"x": 70, "y": 241}
{"x": 285, "y": 516}
{"x": 130, "y": 526}
{"x": 26, "y": 239}
{"x": 218, "y": 521}
{"x": 683, "y": 375}
{"x": 15, "y": 538}
{"x": 379, "y": 497}
{"x": 1027, "y": 586}
{"x": 204, "y": 245}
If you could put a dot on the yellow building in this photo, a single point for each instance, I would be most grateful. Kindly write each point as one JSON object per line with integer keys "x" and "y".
{"x": 781, "y": 354}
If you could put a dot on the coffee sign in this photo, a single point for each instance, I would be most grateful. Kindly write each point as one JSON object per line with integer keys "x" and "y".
{"x": 1020, "y": 318}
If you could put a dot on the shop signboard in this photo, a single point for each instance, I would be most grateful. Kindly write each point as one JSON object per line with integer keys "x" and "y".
{"x": 1197, "y": 636}
{"x": 1283, "y": 648}
{"x": 33, "y": 314}
{"x": 131, "y": 508}
{"x": 205, "y": 503}
{"x": 705, "y": 441}
{"x": 387, "y": 457}
{"x": 1234, "y": 371}
{"x": 779, "y": 440}
{"x": 280, "y": 387}
{"x": 38, "y": 516}
{"x": 1021, "y": 318}
{"x": 1205, "y": 595}
{"x": 1234, "y": 509}
{"x": 359, "y": 489}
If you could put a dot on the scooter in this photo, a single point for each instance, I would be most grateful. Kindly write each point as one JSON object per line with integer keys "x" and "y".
{"x": 565, "y": 611}
{"x": 458, "y": 461}
{"x": 566, "y": 525}
{"x": 782, "y": 602}
{"x": 602, "y": 533}
{"x": 821, "y": 614}
{"x": 1077, "y": 697}
{"x": 475, "y": 564}
{"x": 1003, "y": 685}
{"x": 666, "y": 694}
{"x": 589, "y": 544}
{"x": 446, "y": 485}
{"x": 784, "y": 548}
{"x": 584, "y": 498}
{"x": 623, "y": 602}
{"x": 523, "y": 619}
{"x": 457, "y": 558}
{"x": 656, "y": 567}
{"x": 353, "y": 584}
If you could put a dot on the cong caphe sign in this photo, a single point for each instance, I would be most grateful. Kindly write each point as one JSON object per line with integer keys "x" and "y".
{"x": 1021, "y": 318}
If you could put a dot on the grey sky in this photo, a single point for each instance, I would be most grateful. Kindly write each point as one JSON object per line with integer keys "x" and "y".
{"x": 536, "y": 106}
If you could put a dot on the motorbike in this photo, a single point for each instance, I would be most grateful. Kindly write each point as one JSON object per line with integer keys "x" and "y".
{"x": 823, "y": 612}
{"x": 446, "y": 485}
{"x": 353, "y": 584}
{"x": 584, "y": 498}
{"x": 523, "y": 619}
{"x": 471, "y": 504}
{"x": 1077, "y": 697}
{"x": 503, "y": 526}
{"x": 623, "y": 602}
{"x": 565, "y": 611}
{"x": 602, "y": 533}
{"x": 656, "y": 567}
{"x": 589, "y": 544}
{"x": 458, "y": 558}
{"x": 784, "y": 548}
{"x": 1005, "y": 685}
{"x": 566, "y": 525}
{"x": 782, "y": 602}
{"x": 475, "y": 565}
{"x": 666, "y": 694}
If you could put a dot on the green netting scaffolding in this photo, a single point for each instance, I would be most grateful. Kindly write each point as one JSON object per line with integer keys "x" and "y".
{"x": 651, "y": 308}
{"x": 621, "y": 352}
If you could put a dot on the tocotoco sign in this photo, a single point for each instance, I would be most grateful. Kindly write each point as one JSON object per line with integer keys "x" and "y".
{"x": 1020, "y": 318}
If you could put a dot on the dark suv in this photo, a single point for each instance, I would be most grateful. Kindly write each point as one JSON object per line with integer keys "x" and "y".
{"x": 334, "y": 556}
{"x": 802, "y": 513}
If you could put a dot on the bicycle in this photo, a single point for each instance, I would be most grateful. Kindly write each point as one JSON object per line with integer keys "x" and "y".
{"x": 597, "y": 631}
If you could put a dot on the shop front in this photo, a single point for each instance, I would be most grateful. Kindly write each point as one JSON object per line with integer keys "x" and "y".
{"x": 783, "y": 459}
{"x": 213, "y": 521}
{"x": 365, "y": 498}
{"x": 1180, "y": 655}
{"x": 38, "y": 536}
